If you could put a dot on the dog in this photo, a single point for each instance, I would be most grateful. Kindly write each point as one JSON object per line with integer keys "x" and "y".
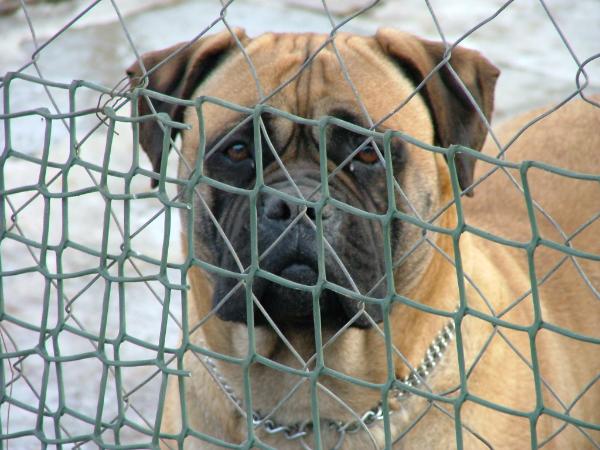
{"x": 498, "y": 403}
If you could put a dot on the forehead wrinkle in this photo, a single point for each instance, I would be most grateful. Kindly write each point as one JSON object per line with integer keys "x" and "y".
{"x": 277, "y": 59}
{"x": 303, "y": 81}
{"x": 324, "y": 73}
{"x": 364, "y": 48}
{"x": 329, "y": 65}
{"x": 286, "y": 67}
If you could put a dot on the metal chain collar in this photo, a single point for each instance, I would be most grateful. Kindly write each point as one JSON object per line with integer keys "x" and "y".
{"x": 299, "y": 430}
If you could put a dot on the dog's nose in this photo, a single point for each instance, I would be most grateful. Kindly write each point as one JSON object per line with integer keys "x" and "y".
{"x": 278, "y": 209}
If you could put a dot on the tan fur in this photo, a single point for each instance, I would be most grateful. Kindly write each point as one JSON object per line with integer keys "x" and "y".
{"x": 568, "y": 138}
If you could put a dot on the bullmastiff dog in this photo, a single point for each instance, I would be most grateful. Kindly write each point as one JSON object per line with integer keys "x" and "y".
{"x": 383, "y": 368}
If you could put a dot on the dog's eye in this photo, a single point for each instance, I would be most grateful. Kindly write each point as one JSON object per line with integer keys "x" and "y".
{"x": 238, "y": 152}
{"x": 367, "y": 155}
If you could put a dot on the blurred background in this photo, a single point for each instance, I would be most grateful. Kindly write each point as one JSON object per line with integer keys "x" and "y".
{"x": 95, "y": 41}
{"x": 522, "y": 40}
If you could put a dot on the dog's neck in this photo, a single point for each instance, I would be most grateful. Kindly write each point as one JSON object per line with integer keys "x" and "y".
{"x": 413, "y": 341}
{"x": 401, "y": 390}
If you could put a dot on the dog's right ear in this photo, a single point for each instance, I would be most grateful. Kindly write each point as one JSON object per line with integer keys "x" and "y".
{"x": 175, "y": 71}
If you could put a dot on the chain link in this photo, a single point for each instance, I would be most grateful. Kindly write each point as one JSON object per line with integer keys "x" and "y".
{"x": 299, "y": 431}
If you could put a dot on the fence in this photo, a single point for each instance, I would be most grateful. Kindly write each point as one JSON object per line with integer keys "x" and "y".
{"x": 94, "y": 289}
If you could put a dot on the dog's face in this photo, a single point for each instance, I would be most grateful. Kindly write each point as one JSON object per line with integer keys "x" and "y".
{"x": 289, "y": 74}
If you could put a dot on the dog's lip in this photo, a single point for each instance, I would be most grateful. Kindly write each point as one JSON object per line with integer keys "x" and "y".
{"x": 299, "y": 272}
{"x": 291, "y": 261}
{"x": 287, "y": 302}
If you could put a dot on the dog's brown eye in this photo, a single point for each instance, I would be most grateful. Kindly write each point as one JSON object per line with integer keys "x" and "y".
{"x": 367, "y": 155}
{"x": 238, "y": 152}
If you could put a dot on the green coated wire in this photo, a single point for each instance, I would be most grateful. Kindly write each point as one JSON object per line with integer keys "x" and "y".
{"x": 53, "y": 325}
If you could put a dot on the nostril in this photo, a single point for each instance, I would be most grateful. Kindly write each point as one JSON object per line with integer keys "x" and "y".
{"x": 277, "y": 209}
{"x": 311, "y": 213}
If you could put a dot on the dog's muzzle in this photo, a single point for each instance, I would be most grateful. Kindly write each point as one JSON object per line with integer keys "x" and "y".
{"x": 288, "y": 247}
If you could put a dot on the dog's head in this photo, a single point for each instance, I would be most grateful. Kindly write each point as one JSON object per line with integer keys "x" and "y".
{"x": 362, "y": 81}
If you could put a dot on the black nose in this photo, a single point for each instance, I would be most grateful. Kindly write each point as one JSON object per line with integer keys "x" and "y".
{"x": 280, "y": 210}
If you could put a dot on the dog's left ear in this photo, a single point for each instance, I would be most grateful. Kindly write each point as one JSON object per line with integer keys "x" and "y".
{"x": 176, "y": 71}
{"x": 455, "y": 119}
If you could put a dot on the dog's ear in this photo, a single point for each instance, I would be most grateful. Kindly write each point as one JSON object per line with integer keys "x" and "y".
{"x": 455, "y": 119}
{"x": 176, "y": 71}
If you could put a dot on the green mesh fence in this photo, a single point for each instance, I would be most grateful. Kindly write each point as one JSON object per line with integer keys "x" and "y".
{"x": 94, "y": 320}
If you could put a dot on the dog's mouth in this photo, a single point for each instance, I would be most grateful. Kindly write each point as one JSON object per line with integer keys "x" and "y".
{"x": 286, "y": 303}
{"x": 300, "y": 273}
{"x": 293, "y": 303}
{"x": 292, "y": 300}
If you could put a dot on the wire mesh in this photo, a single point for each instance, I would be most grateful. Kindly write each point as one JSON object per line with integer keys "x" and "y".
{"x": 87, "y": 363}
